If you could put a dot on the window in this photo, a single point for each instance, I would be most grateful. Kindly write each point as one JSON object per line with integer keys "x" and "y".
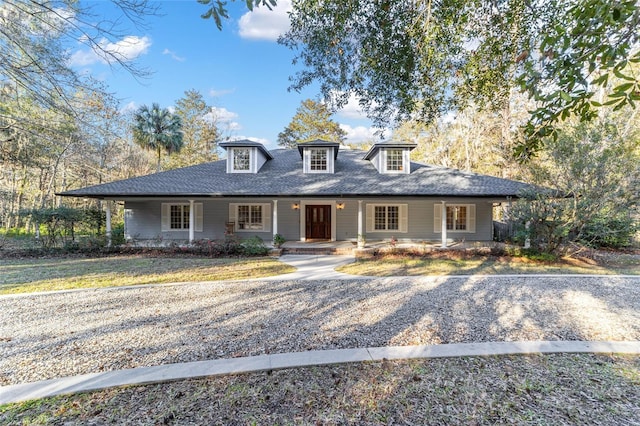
{"x": 457, "y": 218}
{"x": 241, "y": 159}
{"x": 176, "y": 217}
{"x": 395, "y": 160}
{"x": 250, "y": 218}
{"x": 318, "y": 159}
{"x": 387, "y": 218}
{"x": 179, "y": 216}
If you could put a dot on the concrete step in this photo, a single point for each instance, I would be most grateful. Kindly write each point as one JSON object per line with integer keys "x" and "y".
{"x": 318, "y": 250}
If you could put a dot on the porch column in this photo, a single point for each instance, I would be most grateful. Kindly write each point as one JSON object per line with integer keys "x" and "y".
{"x": 192, "y": 220}
{"x": 108, "y": 223}
{"x": 275, "y": 217}
{"x": 360, "y": 232}
{"x": 444, "y": 225}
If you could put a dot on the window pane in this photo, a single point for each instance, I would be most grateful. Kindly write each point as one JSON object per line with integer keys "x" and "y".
{"x": 394, "y": 160}
{"x": 461, "y": 219}
{"x": 185, "y": 217}
{"x": 451, "y": 214}
{"x": 393, "y": 218}
{"x": 457, "y": 218}
{"x": 241, "y": 159}
{"x": 243, "y": 217}
{"x": 176, "y": 217}
{"x": 318, "y": 159}
{"x": 256, "y": 217}
{"x": 250, "y": 217}
{"x": 380, "y": 218}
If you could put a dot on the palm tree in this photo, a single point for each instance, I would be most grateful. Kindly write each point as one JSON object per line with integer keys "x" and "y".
{"x": 157, "y": 129}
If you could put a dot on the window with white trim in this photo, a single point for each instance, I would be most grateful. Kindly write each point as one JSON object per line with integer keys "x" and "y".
{"x": 395, "y": 160}
{"x": 241, "y": 159}
{"x": 318, "y": 159}
{"x": 459, "y": 218}
{"x": 178, "y": 216}
{"x": 387, "y": 218}
{"x": 250, "y": 217}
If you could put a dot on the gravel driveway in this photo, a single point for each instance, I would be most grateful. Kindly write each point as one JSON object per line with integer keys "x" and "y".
{"x": 62, "y": 334}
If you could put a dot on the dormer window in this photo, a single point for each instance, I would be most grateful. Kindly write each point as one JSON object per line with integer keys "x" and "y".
{"x": 318, "y": 159}
{"x": 241, "y": 159}
{"x": 318, "y": 156}
{"x": 245, "y": 156}
{"x": 395, "y": 160}
{"x": 391, "y": 157}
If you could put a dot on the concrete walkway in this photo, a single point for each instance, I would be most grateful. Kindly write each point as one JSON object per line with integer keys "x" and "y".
{"x": 164, "y": 373}
{"x": 314, "y": 267}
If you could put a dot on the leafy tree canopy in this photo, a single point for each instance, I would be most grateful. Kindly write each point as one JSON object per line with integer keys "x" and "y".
{"x": 157, "y": 129}
{"x": 199, "y": 130}
{"x": 35, "y": 37}
{"x": 416, "y": 59}
{"x": 312, "y": 121}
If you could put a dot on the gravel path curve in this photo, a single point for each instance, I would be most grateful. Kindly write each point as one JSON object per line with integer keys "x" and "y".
{"x": 61, "y": 334}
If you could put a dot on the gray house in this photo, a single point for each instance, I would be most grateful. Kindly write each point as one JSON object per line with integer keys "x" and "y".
{"x": 321, "y": 191}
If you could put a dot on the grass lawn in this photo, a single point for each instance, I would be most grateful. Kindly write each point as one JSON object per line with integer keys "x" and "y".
{"x": 62, "y": 273}
{"x": 537, "y": 389}
{"x": 451, "y": 263}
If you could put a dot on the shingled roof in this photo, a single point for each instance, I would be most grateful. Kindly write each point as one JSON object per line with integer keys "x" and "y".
{"x": 283, "y": 176}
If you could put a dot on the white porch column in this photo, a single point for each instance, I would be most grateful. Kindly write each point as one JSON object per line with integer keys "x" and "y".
{"x": 108, "y": 223}
{"x": 360, "y": 231}
{"x": 444, "y": 225}
{"x": 192, "y": 220}
{"x": 275, "y": 217}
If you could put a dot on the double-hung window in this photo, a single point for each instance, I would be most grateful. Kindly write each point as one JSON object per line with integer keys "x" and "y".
{"x": 395, "y": 160}
{"x": 241, "y": 159}
{"x": 387, "y": 218}
{"x": 318, "y": 160}
{"x": 457, "y": 218}
{"x": 179, "y": 216}
{"x": 250, "y": 217}
{"x": 176, "y": 217}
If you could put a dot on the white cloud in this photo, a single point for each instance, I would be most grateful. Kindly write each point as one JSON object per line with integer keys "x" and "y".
{"x": 125, "y": 50}
{"x": 265, "y": 24}
{"x": 130, "y": 107}
{"x": 173, "y": 55}
{"x": 224, "y": 118}
{"x": 359, "y": 134}
{"x": 352, "y": 109}
{"x": 216, "y": 93}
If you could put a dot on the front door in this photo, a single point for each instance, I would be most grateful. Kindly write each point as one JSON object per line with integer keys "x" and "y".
{"x": 318, "y": 221}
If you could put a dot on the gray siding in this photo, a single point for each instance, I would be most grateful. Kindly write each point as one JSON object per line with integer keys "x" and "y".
{"x": 143, "y": 220}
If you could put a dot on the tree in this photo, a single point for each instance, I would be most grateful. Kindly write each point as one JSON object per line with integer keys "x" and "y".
{"x": 596, "y": 166}
{"x": 35, "y": 40}
{"x": 416, "y": 59}
{"x": 311, "y": 121}
{"x": 158, "y": 130}
{"x": 200, "y": 133}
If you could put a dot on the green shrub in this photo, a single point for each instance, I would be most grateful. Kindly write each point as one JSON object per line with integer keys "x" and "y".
{"x": 254, "y": 246}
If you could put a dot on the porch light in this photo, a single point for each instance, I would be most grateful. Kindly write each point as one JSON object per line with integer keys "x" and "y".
{"x": 340, "y": 206}
{"x": 295, "y": 206}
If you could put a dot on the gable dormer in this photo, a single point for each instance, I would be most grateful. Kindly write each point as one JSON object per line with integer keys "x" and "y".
{"x": 391, "y": 157}
{"x": 245, "y": 156}
{"x": 318, "y": 156}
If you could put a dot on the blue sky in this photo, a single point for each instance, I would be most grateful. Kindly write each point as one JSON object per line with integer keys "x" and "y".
{"x": 241, "y": 71}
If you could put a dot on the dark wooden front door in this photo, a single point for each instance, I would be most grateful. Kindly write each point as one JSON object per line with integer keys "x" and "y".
{"x": 318, "y": 220}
